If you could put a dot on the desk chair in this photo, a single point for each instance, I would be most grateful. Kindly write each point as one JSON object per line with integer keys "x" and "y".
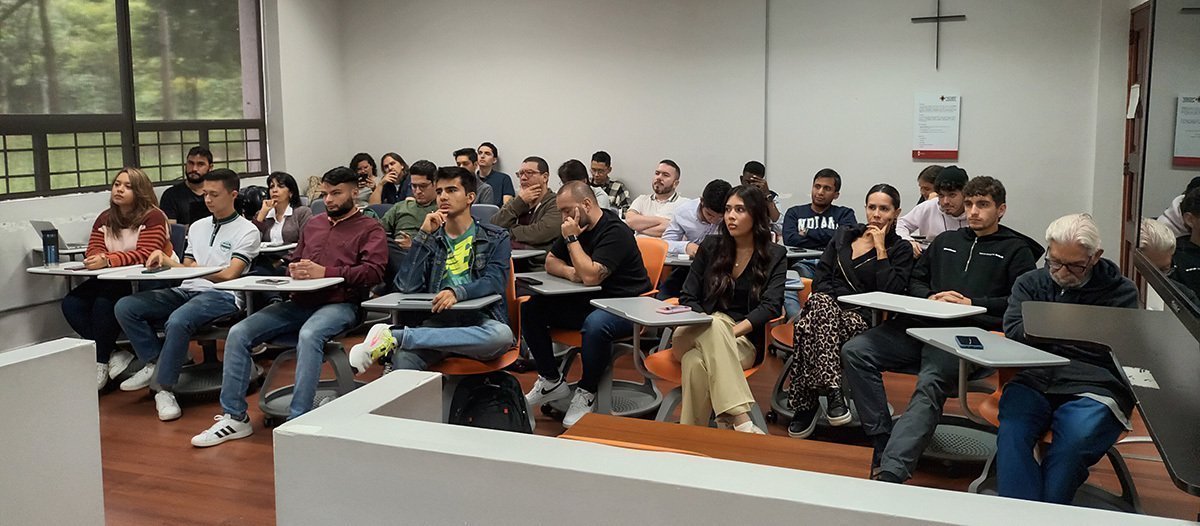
{"x": 275, "y": 402}
{"x": 179, "y": 239}
{"x": 663, "y": 365}
{"x": 783, "y": 336}
{"x": 1088, "y": 495}
{"x": 380, "y": 209}
{"x": 635, "y": 399}
{"x": 455, "y": 369}
{"x": 317, "y": 207}
{"x": 484, "y": 212}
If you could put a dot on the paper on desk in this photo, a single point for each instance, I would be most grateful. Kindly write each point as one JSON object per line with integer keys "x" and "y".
{"x": 1139, "y": 377}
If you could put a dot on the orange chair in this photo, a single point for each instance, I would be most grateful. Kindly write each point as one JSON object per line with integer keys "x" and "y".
{"x": 1088, "y": 495}
{"x": 784, "y": 335}
{"x": 664, "y": 366}
{"x": 647, "y": 397}
{"x": 455, "y": 368}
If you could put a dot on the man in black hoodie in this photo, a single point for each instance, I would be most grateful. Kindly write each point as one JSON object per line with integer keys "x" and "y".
{"x": 976, "y": 265}
{"x": 1087, "y": 403}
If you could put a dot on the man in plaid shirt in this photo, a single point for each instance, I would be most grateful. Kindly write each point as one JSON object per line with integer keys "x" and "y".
{"x": 617, "y": 193}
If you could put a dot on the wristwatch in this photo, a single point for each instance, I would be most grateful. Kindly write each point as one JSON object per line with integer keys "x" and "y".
{"x": 572, "y": 239}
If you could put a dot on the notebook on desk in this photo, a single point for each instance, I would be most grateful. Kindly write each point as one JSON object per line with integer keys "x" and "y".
{"x": 42, "y": 226}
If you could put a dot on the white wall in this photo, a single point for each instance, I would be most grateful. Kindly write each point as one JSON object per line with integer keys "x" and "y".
{"x": 50, "y": 459}
{"x": 1173, "y": 73}
{"x": 677, "y": 79}
{"x": 842, "y": 76}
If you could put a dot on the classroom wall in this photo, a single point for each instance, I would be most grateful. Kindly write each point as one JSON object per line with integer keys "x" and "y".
{"x": 1173, "y": 73}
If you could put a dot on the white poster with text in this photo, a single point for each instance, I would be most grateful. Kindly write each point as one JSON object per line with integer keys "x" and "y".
{"x": 935, "y": 126}
{"x": 1187, "y": 132}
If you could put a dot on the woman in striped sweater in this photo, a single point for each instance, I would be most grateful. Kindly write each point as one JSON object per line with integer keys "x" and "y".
{"x": 123, "y": 235}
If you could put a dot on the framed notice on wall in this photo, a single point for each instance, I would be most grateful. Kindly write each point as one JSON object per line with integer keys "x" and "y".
{"x": 1187, "y": 132}
{"x": 935, "y": 126}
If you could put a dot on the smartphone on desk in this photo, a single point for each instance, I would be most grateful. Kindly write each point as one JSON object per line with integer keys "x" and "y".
{"x": 969, "y": 342}
{"x": 528, "y": 280}
{"x": 673, "y": 309}
{"x": 156, "y": 270}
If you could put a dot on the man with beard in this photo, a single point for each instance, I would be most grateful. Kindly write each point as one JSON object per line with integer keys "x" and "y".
{"x": 976, "y": 265}
{"x": 1087, "y": 403}
{"x": 935, "y": 216}
{"x": 596, "y": 249}
{"x": 532, "y": 217}
{"x": 650, "y": 214}
{"x": 184, "y": 202}
{"x": 343, "y": 243}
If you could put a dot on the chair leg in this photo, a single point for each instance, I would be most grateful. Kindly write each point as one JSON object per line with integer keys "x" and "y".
{"x": 1128, "y": 491}
{"x": 669, "y": 403}
{"x": 449, "y": 385}
{"x": 989, "y": 469}
{"x": 756, "y": 416}
{"x": 604, "y": 392}
{"x": 344, "y": 375}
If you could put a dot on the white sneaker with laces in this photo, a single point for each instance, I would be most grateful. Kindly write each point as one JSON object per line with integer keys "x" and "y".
{"x": 545, "y": 391}
{"x": 140, "y": 379}
{"x": 581, "y": 404}
{"x": 168, "y": 408}
{"x": 118, "y": 362}
{"x": 748, "y": 427}
{"x": 226, "y": 428}
{"x": 379, "y": 342}
{"x": 101, "y": 375}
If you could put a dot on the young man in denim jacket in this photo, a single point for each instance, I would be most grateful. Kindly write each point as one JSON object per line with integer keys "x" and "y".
{"x": 457, "y": 259}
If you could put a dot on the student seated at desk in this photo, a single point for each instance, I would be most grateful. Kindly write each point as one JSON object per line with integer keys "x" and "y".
{"x": 1187, "y": 247}
{"x": 573, "y": 170}
{"x": 342, "y": 242}
{"x": 1087, "y": 403}
{"x": 224, "y": 239}
{"x": 926, "y": 181}
{"x": 459, "y": 259}
{"x": 811, "y": 226}
{"x": 403, "y": 219}
{"x": 754, "y": 173}
{"x": 693, "y": 220}
{"x": 1173, "y": 216}
{"x": 183, "y": 202}
{"x": 970, "y": 266}
{"x": 936, "y": 215}
{"x": 596, "y": 249}
{"x": 861, "y": 258}
{"x": 650, "y": 214}
{"x": 602, "y": 178}
{"x": 127, "y": 233}
{"x": 501, "y": 183}
{"x": 532, "y": 217}
{"x": 364, "y": 165}
{"x": 394, "y": 187}
{"x": 281, "y": 218}
{"x": 738, "y": 278}
{"x": 468, "y": 158}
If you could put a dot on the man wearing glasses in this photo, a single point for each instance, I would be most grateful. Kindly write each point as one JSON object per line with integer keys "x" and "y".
{"x": 532, "y": 217}
{"x": 1086, "y": 402}
{"x": 618, "y": 195}
{"x": 975, "y": 265}
{"x": 404, "y": 218}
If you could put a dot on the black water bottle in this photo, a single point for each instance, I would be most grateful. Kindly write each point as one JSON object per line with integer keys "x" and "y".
{"x": 50, "y": 246}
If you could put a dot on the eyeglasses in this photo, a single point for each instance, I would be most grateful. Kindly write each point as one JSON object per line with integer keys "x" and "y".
{"x": 1074, "y": 268}
{"x": 421, "y": 186}
{"x": 527, "y": 173}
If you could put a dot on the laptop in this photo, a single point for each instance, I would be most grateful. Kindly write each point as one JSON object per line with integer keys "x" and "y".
{"x": 42, "y": 226}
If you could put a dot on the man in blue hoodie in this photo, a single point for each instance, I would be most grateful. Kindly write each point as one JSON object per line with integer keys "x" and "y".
{"x": 812, "y": 225}
{"x": 975, "y": 265}
{"x": 1087, "y": 402}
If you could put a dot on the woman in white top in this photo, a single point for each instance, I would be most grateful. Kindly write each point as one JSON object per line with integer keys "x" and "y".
{"x": 280, "y": 220}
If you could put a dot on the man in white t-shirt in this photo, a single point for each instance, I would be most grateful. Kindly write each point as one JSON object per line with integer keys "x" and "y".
{"x": 650, "y": 214}
{"x": 224, "y": 239}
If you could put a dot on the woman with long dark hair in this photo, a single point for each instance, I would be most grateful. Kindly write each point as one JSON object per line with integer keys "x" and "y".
{"x": 737, "y": 277}
{"x": 859, "y": 258}
{"x": 280, "y": 220}
{"x": 125, "y": 234}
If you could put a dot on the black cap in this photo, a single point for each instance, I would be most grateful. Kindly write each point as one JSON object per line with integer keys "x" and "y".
{"x": 951, "y": 177}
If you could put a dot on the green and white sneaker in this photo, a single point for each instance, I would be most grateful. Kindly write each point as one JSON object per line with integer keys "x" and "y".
{"x": 379, "y": 343}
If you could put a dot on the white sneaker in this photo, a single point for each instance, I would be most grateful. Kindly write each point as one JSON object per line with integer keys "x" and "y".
{"x": 118, "y": 362}
{"x": 168, "y": 408}
{"x": 379, "y": 342}
{"x": 748, "y": 427}
{"x": 581, "y": 404}
{"x": 140, "y": 379}
{"x": 101, "y": 375}
{"x": 226, "y": 428}
{"x": 544, "y": 391}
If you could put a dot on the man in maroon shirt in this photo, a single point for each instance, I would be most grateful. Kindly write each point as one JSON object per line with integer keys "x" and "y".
{"x": 339, "y": 243}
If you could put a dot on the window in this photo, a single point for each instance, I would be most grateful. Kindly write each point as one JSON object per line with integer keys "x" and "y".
{"x": 90, "y": 86}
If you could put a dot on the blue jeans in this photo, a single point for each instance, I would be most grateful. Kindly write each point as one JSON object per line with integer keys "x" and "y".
{"x": 89, "y": 310}
{"x": 315, "y": 325}
{"x": 599, "y": 329}
{"x": 1083, "y": 431}
{"x": 184, "y": 312}
{"x": 791, "y": 301}
{"x": 419, "y": 348}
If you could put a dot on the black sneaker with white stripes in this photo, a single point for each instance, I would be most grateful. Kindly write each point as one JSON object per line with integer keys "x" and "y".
{"x": 226, "y": 428}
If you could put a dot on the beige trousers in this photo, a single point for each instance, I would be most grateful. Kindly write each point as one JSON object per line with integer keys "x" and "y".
{"x": 712, "y": 360}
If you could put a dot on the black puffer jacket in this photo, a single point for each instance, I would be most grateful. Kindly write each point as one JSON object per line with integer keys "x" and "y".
{"x": 1091, "y": 370}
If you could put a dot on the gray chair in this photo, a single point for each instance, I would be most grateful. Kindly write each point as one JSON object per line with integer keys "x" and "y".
{"x": 484, "y": 212}
{"x": 317, "y": 207}
{"x": 379, "y": 209}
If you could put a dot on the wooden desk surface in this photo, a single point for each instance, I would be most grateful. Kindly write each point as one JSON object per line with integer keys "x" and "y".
{"x": 807, "y": 455}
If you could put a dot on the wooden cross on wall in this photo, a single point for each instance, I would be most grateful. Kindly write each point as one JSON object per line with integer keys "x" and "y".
{"x": 937, "y": 20}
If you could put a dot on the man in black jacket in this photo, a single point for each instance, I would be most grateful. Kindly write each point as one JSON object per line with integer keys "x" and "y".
{"x": 1087, "y": 402}
{"x": 976, "y": 265}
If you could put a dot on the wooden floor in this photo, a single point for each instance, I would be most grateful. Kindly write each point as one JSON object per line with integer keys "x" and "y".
{"x": 152, "y": 474}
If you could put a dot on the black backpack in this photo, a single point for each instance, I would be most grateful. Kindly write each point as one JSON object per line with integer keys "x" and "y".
{"x": 492, "y": 401}
{"x": 250, "y": 199}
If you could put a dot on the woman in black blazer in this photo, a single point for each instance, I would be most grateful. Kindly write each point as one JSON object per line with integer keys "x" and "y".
{"x": 859, "y": 258}
{"x": 737, "y": 277}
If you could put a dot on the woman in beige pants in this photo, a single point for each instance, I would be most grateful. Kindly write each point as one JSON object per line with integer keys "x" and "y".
{"x": 737, "y": 277}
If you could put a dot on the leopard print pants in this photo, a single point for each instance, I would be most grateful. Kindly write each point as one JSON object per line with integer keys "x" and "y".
{"x": 816, "y": 360}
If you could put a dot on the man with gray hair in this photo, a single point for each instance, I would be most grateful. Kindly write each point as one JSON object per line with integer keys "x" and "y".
{"x": 1086, "y": 402}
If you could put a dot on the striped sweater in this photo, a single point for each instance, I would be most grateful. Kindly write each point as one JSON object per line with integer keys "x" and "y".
{"x": 121, "y": 248}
